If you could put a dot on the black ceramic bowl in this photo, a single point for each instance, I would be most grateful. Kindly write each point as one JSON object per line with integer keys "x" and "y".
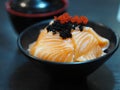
{"x": 24, "y": 13}
{"x": 80, "y": 69}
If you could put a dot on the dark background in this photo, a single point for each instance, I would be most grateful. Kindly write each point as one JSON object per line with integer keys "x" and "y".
{"x": 17, "y": 73}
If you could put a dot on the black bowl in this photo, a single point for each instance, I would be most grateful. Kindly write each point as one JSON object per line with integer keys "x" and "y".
{"x": 80, "y": 69}
{"x": 24, "y": 13}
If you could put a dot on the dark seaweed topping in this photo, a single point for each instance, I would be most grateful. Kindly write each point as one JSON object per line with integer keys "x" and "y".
{"x": 80, "y": 27}
{"x": 65, "y": 34}
{"x": 74, "y": 25}
{"x": 64, "y": 29}
{"x": 64, "y": 23}
{"x": 49, "y": 28}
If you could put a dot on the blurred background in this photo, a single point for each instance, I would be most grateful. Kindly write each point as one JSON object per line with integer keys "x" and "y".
{"x": 103, "y": 11}
{"x": 13, "y": 66}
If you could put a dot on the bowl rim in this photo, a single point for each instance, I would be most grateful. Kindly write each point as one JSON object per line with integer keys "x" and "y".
{"x": 8, "y": 8}
{"x": 66, "y": 63}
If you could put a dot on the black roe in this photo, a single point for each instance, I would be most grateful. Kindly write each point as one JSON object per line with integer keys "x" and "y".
{"x": 63, "y": 29}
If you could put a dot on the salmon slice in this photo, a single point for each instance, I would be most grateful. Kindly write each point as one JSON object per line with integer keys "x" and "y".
{"x": 91, "y": 54}
{"x": 103, "y": 42}
{"x": 52, "y": 47}
{"x": 83, "y": 43}
{"x": 88, "y": 45}
{"x": 33, "y": 46}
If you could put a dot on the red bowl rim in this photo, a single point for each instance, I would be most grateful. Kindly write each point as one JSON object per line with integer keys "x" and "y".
{"x": 7, "y": 4}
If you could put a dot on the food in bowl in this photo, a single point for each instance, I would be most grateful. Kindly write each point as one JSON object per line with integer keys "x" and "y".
{"x": 68, "y": 39}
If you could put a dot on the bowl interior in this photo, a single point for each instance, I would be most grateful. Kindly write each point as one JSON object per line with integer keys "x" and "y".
{"x": 30, "y": 35}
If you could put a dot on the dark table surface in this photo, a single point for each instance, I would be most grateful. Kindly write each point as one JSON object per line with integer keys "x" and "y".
{"x": 17, "y": 73}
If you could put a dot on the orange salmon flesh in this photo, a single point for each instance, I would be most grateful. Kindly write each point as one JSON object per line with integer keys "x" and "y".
{"x": 84, "y": 45}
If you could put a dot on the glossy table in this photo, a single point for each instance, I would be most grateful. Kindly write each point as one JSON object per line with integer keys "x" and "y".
{"x": 18, "y": 73}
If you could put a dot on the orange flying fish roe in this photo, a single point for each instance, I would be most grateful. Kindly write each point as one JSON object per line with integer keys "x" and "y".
{"x": 76, "y": 19}
{"x": 64, "y": 18}
{"x": 84, "y": 19}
